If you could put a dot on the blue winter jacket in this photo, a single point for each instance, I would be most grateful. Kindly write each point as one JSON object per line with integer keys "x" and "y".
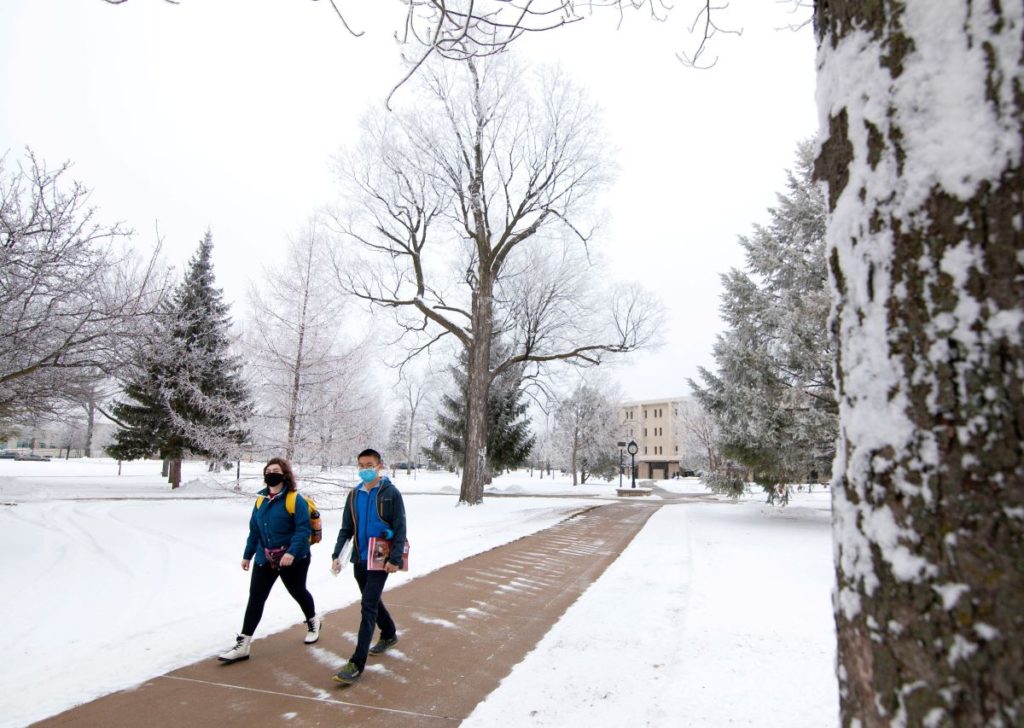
{"x": 386, "y": 511}
{"x": 272, "y": 526}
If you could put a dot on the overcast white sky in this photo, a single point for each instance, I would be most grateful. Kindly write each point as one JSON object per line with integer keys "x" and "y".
{"x": 223, "y": 114}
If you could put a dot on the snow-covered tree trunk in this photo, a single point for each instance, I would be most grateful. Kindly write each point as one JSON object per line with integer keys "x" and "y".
{"x": 922, "y": 106}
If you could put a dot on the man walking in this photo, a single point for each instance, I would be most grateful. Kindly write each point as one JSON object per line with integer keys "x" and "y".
{"x": 373, "y": 509}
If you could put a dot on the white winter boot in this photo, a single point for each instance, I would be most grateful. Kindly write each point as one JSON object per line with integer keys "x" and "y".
{"x": 313, "y": 626}
{"x": 239, "y": 652}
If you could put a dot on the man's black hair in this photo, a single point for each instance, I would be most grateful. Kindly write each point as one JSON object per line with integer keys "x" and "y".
{"x": 370, "y": 453}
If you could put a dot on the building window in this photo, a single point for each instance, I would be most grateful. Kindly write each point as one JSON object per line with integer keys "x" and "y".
{"x": 645, "y": 449}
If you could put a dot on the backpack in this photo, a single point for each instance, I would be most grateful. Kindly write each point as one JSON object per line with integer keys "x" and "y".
{"x": 317, "y": 534}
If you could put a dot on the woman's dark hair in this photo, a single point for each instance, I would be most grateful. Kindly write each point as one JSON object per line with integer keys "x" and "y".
{"x": 286, "y": 468}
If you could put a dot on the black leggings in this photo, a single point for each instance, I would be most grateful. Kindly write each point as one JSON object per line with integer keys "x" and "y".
{"x": 263, "y": 578}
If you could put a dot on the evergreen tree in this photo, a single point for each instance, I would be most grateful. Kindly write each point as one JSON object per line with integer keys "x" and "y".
{"x": 508, "y": 432}
{"x": 772, "y": 397}
{"x": 188, "y": 397}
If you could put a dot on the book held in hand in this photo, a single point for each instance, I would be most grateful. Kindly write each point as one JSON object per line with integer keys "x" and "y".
{"x": 380, "y": 549}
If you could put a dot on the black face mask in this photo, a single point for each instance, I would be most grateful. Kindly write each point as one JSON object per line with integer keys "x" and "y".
{"x": 273, "y": 479}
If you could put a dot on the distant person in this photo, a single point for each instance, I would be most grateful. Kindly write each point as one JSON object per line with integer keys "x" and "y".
{"x": 375, "y": 508}
{"x": 280, "y": 542}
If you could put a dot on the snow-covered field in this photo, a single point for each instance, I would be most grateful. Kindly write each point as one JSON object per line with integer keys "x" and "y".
{"x": 718, "y": 613}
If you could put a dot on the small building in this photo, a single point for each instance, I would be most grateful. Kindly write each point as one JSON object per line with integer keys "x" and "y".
{"x": 655, "y": 426}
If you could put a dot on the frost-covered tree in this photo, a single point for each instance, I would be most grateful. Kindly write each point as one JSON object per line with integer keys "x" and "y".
{"x": 415, "y": 391}
{"x": 398, "y": 439}
{"x": 187, "y": 396}
{"x": 772, "y": 398}
{"x": 697, "y": 438}
{"x": 587, "y": 425}
{"x": 309, "y": 372}
{"x": 472, "y": 209}
{"x": 350, "y": 416}
{"x": 72, "y": 294}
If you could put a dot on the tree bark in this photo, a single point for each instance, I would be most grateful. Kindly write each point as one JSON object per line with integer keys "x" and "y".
{"x": 293, "y": 399}
{"x": 478, "y": 384}
{"x": 90, "y": 427}
{"x": 175, "y": 476}
{"x": 924, "y": 102}
{"x": 575, "y": 449}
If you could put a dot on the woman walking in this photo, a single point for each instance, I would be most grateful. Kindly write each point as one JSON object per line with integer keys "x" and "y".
{"x": 279, "y": 531}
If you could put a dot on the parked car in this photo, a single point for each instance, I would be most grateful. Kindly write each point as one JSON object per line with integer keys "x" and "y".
{"x": 8, "y": 455}
{"x": 404, "y": 466}
{"x": 32, "y": 456}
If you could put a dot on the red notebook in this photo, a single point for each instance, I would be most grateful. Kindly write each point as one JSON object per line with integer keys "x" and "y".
{"x": 380, "y": 549}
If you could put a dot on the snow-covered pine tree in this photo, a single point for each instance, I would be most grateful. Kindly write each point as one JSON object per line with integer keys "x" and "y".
{"x": 188, "y": 397}
{"x": 772, "y": 397}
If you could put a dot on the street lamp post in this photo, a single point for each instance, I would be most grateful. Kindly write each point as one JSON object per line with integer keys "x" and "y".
{"x": 621, "y": 468}
{"x": 631, "y": 448}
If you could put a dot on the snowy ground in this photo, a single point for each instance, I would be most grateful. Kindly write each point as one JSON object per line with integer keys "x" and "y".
{"x": 717, "y": 614}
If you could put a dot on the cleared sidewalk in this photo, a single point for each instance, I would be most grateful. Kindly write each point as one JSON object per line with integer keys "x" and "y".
{"x": 462, "y": 629}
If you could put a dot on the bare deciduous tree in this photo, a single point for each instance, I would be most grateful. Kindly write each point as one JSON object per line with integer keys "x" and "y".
{"x": 309, "y": 380}
{"x": 465, "y": 205}
{"x": 417, "y": 392}
{"x": 587, "y": 425}
{"x": 72, "y": 294}
{"x": 697, "y": 437}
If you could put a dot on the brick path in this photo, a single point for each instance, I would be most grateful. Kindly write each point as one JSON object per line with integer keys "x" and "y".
{"x": 462, "y": 629}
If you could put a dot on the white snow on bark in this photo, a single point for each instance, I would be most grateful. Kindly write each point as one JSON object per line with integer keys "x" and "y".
{"x": 961, "y": 650}
{"x": 935, "y": 718}
{"x": 954, "y": 139}
{"x": 951, "y": 594}
{"x": 986, "y": 631}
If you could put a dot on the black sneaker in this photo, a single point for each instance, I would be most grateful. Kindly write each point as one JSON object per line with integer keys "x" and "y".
{"x": 383, "y": 645}
{"x": 348, "y": 674}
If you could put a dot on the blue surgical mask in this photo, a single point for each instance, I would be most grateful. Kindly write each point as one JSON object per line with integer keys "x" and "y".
{"x": 368, "y": 475}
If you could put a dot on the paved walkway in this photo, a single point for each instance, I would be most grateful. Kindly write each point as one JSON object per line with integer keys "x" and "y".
{"x": 462, "y": 629}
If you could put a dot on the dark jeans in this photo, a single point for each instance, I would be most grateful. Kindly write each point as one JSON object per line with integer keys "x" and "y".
{"x": 263, "y": 578}
{"x": 374, "y": 613}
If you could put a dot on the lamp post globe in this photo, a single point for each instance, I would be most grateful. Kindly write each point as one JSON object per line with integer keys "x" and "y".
{"x": 632, "y": 448}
